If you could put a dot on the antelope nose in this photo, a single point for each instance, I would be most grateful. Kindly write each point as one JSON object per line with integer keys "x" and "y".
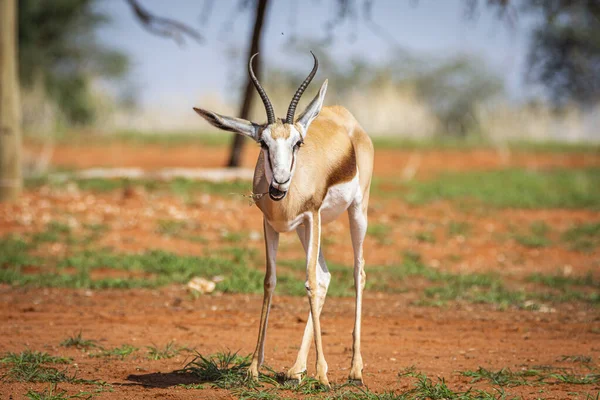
{"x": 282, "y": 183}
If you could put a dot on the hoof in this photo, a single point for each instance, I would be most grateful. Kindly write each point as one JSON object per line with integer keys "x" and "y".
{"x": 356, "y": 382}
{"x": 252, "y": 374}
{"x": 291, "y": 382}
{"x": 324, "y": 382}
{"x": 294, "y": 376}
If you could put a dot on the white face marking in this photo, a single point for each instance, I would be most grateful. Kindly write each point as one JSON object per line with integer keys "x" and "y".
{"x": 280, "y": 157}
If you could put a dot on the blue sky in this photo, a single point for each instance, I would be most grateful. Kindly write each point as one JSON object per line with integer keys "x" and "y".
{"x": 168, "y": 75}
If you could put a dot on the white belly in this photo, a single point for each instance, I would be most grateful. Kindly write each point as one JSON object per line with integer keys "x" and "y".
{"x": 338, "y": 198}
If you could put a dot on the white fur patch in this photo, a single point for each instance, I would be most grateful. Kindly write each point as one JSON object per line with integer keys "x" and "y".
{"x": 279, "y": 165}
{"x": 338, "y": 198}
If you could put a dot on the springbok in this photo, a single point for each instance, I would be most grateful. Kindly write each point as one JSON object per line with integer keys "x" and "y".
{"x": 311, "y": 176}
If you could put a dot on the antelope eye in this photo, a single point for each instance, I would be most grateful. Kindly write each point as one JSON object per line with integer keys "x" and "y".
{"x": 263, "y": 145}
{"x": 298, "y": 144}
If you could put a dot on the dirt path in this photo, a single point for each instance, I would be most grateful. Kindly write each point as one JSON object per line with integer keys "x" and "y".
{"x": 388, "y": 162}
{"x": 396, "y": 336}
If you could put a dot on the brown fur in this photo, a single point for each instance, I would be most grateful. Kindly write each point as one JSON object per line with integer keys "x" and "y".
{"x": 279, "y": 130}
{"x": 335, "y": 145}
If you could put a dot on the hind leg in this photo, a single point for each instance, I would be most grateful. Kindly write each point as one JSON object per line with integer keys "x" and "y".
{"x": 357, "y": 215}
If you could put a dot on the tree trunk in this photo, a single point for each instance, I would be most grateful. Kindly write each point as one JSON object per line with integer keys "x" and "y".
{"x": 11, "y": 182}
{"x": 237, "y": 144}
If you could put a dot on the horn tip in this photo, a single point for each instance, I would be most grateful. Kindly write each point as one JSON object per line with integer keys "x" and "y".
{"x": 252, "y": 59}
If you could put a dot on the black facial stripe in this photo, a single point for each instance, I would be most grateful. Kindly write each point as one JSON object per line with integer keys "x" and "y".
{"x": 270, "y": 164}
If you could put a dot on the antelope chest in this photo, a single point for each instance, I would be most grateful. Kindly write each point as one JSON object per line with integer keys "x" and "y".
{"x": 336, "y": 201}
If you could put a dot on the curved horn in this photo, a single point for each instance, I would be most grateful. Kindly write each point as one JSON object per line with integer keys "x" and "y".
{"x": 262, "y": 93}
{"x": 301, "y": 89}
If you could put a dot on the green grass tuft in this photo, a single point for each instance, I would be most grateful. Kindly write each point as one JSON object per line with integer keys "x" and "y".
{"x": 79, "y": 342}
{"x": 425, "y": 237}
{"x": 228, "y": 371}
{"x": 223, "y": 370}
{"x": 169, "y": 351}
{"x": 537, "y": 236}
{"x": 456, "y": 228}
{"x": 256, "y": 394}
{"x": 563, "y": 282}
{"x": 50, "y": 394}
{"x": 502, "y": 377}
{"x": 408, "y": 371}
{"x": 475, "y": 141}
{"x": 589, "y": 379}
{"x": 55, "y": 231}
{"x": 434, "y": 391}
{"x": 120, "y": 352}
{"x": 380, "y": 232}
{"x": 506, "y": 377}
{"x": 577, "y": 359}
{"x": 191, "y": 386}
{"x": 584, "y": 237}
{"x": 171, "y": 227}
{"x": 182, "y": 187}
{"x": 161, "y": 268}
{"x": 32, "y": 366}
{"x": 515, "y": 188}
{"x": 33, "y": 357}
{"x": 13, "y": 254}
{"x": 472, "y": 288}
{"x": 242, "y": 272}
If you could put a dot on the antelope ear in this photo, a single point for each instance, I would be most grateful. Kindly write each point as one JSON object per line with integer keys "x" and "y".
{"x": 230, "y": 124}
{"x": 312, "y": 110}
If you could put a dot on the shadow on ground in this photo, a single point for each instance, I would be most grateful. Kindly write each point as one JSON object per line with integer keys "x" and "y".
{"x": 163, "y": 380}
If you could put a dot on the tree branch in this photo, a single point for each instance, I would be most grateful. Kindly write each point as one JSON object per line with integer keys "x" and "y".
{"x": 375, "y": 28}
{"x": 165, "y": 27}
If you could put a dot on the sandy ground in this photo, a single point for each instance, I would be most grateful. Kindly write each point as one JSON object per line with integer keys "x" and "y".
{"x": 396, "y": 334}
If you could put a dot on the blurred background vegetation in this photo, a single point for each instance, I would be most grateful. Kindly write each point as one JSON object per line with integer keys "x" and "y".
{"x": 61, "y": 62}
{"x": 72, "y": 82}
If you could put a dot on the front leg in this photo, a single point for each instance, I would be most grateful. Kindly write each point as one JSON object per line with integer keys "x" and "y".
{"x": 271, "y": 244}
{"x": 314, "y": 284}
{"x": 299, "y": 367}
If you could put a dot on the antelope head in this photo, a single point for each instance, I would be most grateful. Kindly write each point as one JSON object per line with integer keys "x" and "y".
{"x": 280, "y": 140}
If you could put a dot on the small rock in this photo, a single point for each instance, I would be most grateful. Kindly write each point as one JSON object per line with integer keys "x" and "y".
{"x": 255, "y": 236}
{"x": 201, "y": 285}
